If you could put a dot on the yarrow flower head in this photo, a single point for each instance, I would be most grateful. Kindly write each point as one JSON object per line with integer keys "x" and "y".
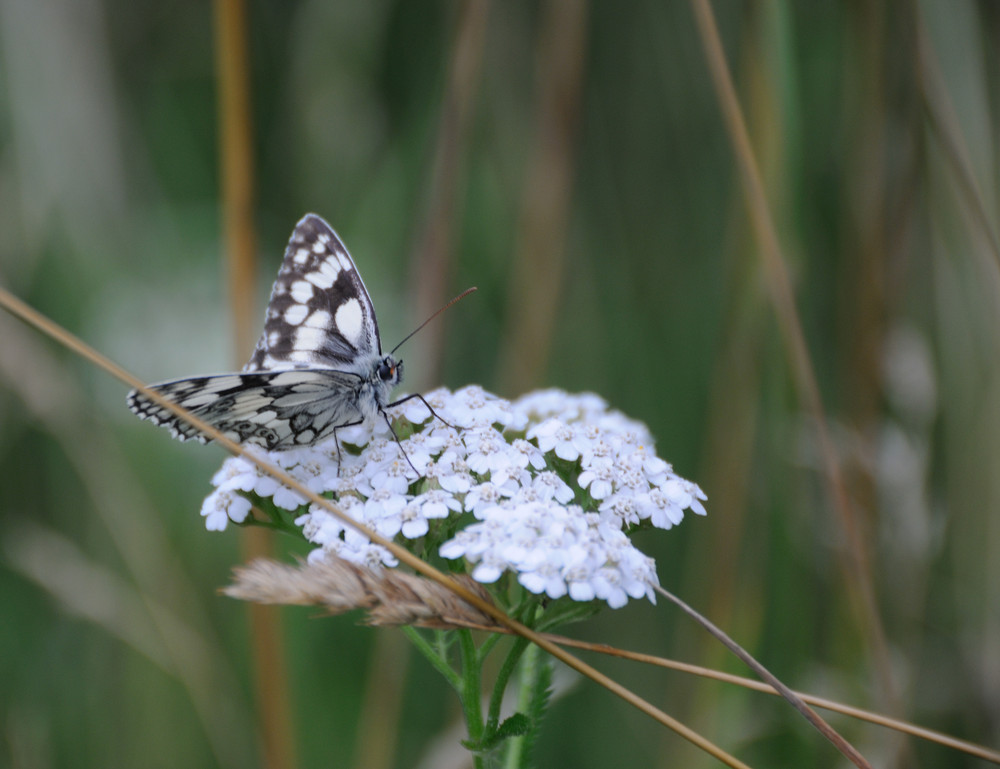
{"x": 544, "y": 489}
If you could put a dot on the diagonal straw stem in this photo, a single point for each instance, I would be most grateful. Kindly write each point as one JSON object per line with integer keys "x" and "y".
{"x": 855, "y": 561}
{"x": 64, "y": 337}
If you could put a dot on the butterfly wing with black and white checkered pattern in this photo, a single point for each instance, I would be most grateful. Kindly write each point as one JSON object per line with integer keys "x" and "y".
{"x": 318, "y": 365}
{"x": 319, "y": 313}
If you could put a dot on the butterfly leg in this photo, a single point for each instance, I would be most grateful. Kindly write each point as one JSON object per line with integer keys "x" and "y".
{"x": 336, "y": 440}
{"x": 423, "y": 400}
{"x": 398, "y": 442}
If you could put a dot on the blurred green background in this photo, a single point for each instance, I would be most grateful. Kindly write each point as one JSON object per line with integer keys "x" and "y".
{"x": 570, "y": 160}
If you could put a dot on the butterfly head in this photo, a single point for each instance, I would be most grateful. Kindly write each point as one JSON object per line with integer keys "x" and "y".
{"x": 390, "y": 371}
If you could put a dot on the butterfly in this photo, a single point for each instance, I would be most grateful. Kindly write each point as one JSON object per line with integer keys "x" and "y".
{"x": 317, "y": 367}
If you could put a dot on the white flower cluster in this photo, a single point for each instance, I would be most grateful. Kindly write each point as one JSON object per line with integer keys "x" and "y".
{"x": 551, "y": 482}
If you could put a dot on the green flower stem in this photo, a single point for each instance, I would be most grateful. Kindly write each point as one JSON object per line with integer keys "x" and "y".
{"x": 471, "y": 690}
{"x": 277, "y": 525}
{"x": 439, "y": 661}
{"x": 565, "y": 613}
{"x": 506, "y": 670}
{"x": 442, "y": 643}
{"x": 487, "y": 646}
{"x": 275, "y": 520}
{"x": 531, "y": 666}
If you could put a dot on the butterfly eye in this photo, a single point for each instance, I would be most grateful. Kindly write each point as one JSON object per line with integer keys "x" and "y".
{"x": 385, "y": 371}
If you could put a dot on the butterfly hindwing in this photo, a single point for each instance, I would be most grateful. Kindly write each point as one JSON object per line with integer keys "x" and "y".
{"x": 277, "y": 410}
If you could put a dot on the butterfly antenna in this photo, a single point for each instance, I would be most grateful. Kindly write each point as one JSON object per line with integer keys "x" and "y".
{"x": 432, "y": 317}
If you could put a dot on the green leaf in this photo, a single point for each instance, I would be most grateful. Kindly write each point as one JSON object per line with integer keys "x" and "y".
{"x": 514, "y": 726}
{"x": 518, "y": 725}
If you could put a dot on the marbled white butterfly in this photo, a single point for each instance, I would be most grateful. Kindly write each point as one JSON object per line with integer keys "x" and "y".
{"x": 318, "y": 365}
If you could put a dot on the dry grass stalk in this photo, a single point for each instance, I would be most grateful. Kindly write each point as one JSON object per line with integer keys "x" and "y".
{"x": 388, "y": 596}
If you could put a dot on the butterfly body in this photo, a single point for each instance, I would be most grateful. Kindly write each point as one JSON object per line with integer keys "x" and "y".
{"x": 318, "y": 365}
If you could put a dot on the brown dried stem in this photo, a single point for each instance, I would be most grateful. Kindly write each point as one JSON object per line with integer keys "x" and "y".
{"x": 394, "y": 598}
{"x": 28, "y": 314}
{"x": 855, "y": 560}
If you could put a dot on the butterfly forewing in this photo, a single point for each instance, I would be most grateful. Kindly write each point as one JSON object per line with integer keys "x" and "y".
{"x": 319, "y": 314}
